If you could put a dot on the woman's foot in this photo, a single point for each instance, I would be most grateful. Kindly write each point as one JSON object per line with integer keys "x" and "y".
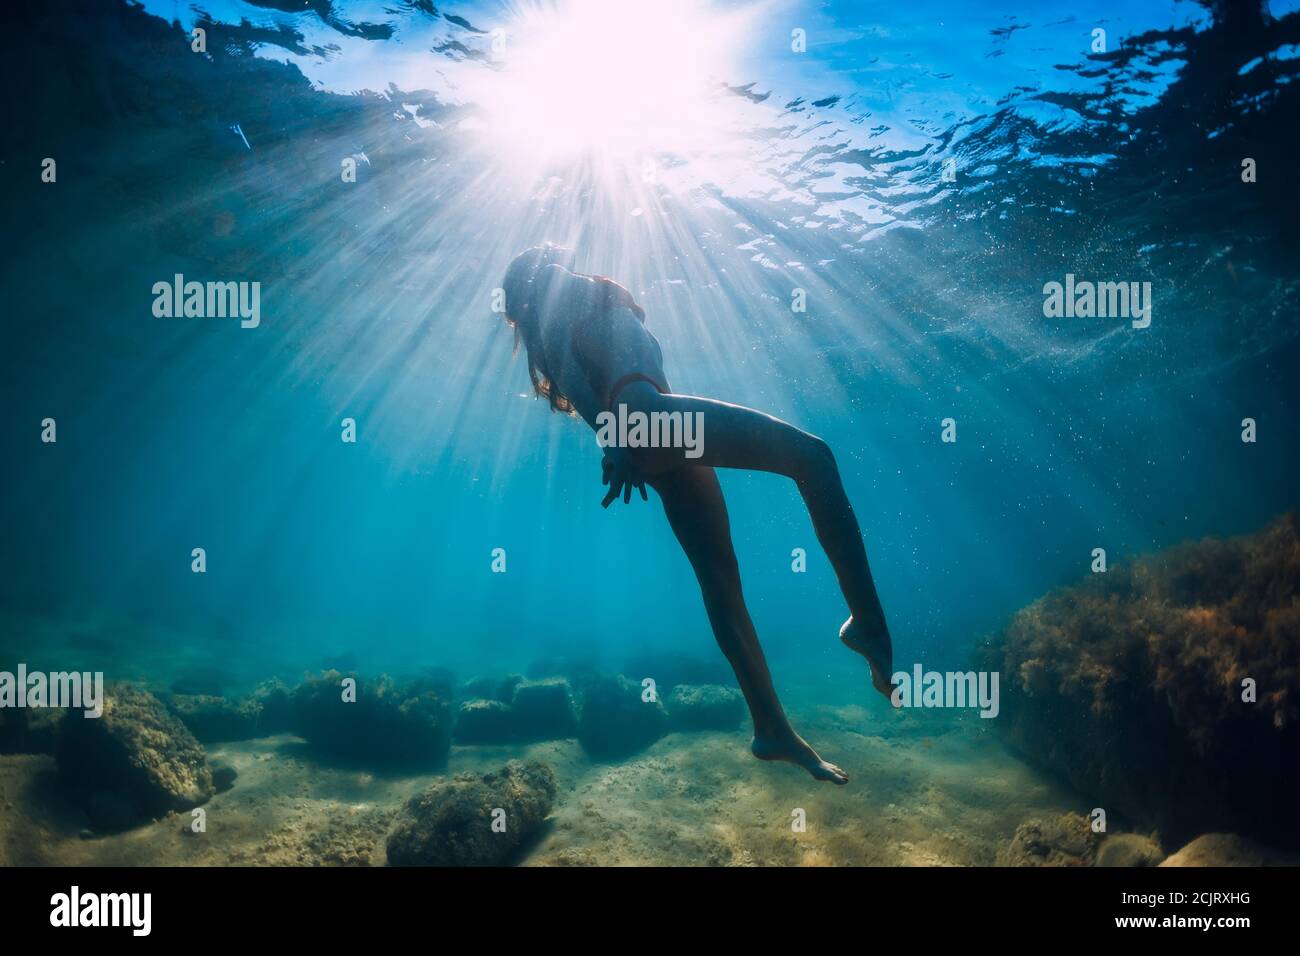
{"x": 794, "y": 749}
{"x": 876, "y": 648}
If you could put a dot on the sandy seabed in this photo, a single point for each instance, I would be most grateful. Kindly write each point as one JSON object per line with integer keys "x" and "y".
{"x": 932, "y": 792}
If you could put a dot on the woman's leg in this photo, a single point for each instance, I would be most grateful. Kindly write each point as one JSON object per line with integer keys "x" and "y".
{"x": 698, "y": 514}
{"x": 737, "y": 437}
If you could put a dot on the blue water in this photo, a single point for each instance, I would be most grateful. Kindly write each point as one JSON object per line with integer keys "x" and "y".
{"x": 924, "y": 303}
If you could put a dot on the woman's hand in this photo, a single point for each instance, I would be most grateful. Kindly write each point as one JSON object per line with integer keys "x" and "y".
{"x": 617, "y": 471}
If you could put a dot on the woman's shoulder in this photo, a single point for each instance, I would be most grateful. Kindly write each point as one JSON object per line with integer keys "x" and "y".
{"x": 617, "y": 296}
{"x": 586, "y": 294}
{"x": 557, "y": 282}
{"x": 562, "y": 294}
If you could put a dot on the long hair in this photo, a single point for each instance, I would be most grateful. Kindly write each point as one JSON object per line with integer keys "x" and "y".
{"x": 523, "y": 309}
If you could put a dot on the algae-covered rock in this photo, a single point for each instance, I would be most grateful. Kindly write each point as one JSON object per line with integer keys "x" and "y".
{"x": 577, "y": 670}
{"x": 136, "y": 762}
{"x": 536, "y": 710}
{"x": 669, "y": 668}
{"x": 1168, "y": 689}
{"x": 614, "y": 721}
{"x": 485, "y": 687}
{"x": 1229, "y": 849}
{"x": 705, "y": 707}
{"x": 1130, "y": 850}
{"x": 452, "y": 823}
{"x": 275, "y": 700}
{"x": 1067, "y": 840}
{"x": 543, "y": 710}
{"x": 383, "y": 723}
{"x": 210, "y": 718}
{"x": 505, "y": 691}
{"x": 482, "y": 721}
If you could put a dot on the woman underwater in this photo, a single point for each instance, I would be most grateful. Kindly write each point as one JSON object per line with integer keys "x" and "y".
{"x": 587, "y": 348}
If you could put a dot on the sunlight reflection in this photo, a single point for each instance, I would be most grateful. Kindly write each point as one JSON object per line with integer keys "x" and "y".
{"x": 630, "y": 79}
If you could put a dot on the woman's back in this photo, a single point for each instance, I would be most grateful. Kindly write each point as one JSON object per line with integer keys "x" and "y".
{"x": 592, "y": 335}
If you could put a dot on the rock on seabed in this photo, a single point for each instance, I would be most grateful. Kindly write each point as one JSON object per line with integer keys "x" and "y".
{"x": 1130, "y": 686}
{"x": 451, "y": 823}
{"x": 134, "y": 763}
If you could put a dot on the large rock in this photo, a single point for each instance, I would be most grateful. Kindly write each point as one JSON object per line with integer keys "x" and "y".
{"x": 577, "y": 670}
{"x": 451, "y": 823}
{"x": 1067, "y": 840}
{"x": 275, "y": 700}
{"x": 1130, "y": 687}
{"x": 387, "y": 723}
{"x": 482, "y": 721}
{"x": 543, "y": 710}
{"x": 613, "y": 720}
{"x": 670, "y": 668}
{"x": 1129, "y": 850}
{"x": 506, "y": 689}
{"x": 136, "y": 762}
{"x": 484, "y": 687}
{"x": 1229, "y": 849}
{"x": 705, "y": 707}
{"x": 211, "y": 718}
